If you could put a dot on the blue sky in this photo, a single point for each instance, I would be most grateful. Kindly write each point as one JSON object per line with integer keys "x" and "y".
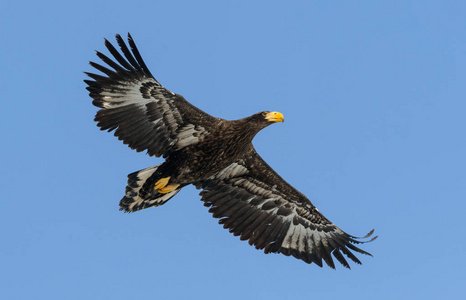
{"x": 374, "y": 99}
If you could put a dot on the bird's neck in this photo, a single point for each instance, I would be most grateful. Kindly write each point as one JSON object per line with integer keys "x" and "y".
{"x": 245, "y": 132}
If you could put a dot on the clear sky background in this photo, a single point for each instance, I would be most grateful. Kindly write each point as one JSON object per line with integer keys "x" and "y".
{"x": 373, "y": 93}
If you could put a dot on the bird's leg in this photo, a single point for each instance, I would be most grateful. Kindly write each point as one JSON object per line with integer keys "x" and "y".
{"x": 163, "y": 187}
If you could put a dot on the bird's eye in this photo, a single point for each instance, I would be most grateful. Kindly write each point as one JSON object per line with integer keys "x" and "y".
{"x": 264, "y": 113}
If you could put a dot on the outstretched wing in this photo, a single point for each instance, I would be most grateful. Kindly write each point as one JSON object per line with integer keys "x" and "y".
{"x": 144, "y": 114}
{"x": 254, "y": 202}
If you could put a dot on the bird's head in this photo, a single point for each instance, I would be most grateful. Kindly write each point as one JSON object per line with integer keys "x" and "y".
{"x": 267, "y": 117}
{"x": 259, "y": 121}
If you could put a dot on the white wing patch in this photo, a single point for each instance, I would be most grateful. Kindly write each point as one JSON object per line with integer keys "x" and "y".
{"x": 128, "y": 94}
{"x": 231, "y": 171}
{"x": 189, "y": 135}
{"x": 171, "y": 115}
{"x": 125, "y": 94}
{"x": 255, "y": 189}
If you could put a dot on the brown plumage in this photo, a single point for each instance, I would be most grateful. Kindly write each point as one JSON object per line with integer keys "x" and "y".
{"x": 213, "y": 154}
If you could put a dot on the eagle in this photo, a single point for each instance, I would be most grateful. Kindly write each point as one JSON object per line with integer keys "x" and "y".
{"x": 216, "y": 156}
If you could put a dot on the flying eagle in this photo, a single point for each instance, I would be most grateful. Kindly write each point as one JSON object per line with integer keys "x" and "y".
{"x": 215, "y": 155}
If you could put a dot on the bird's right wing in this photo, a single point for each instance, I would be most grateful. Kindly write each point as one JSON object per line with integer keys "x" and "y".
{"x": 254, "y": 202}
{"x": 144, "y": 114}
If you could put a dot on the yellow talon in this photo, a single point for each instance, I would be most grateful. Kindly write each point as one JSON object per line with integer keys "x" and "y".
{"x": 169, "y": 188}
{"x": 163, "y": 187}
{"x": 161, "y": 183}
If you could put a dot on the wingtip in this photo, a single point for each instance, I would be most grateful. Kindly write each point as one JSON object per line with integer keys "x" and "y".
{"x": 365, "y": 237}
{"x": 369, "y": 234}
{"x": 372, "y": 239}
{"x": 107, "y": 43}
{"x": 119, "y": 39}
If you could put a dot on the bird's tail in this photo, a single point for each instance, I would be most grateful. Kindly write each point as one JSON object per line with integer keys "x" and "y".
{"x": 138, "y": 196}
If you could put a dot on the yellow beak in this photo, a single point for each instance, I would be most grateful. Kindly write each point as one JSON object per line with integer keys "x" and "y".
{"x": 274, "y": 116}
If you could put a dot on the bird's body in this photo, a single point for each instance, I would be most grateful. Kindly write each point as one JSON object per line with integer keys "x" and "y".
{"x": 205, "y": 158}
{"x": 213, "y": 154}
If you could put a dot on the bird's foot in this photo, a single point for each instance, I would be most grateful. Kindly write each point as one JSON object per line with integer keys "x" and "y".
{"x": 169, "y": 188}
{"x": 163, "y": 187}
{"x": 161, "y": 183}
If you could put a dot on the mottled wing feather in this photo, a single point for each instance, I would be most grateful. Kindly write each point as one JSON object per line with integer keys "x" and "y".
{"x": 144, "y": 114}
{"x": 255, "y": 203}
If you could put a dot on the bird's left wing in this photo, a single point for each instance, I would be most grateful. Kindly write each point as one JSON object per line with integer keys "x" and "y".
{"x": 254, "y": 202}
{"x": 143, "y": 113}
